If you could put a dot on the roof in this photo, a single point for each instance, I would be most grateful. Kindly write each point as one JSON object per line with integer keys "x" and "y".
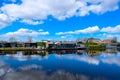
{"x": 107, "y": 41}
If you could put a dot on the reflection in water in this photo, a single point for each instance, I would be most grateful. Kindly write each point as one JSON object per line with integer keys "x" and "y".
{"x": 45, "y": 66}
{"x": 67, "y": 51}
{"x": 42, "y": 75}
{"x": 44, "y": 53}
{"x": 35, "y": 72}
{"x": 111, "y": 51}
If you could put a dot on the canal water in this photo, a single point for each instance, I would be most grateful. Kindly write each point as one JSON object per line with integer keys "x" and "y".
{"x": 60, "y": 65}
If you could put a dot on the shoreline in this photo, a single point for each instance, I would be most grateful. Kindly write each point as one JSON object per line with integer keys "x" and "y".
{"x": 21, "y": 49}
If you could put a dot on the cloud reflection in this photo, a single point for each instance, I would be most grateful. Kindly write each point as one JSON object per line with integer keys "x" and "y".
{"x": 26, "y": 73}
{"x": 37, "y": 72}
{"x": 4, "y": 69}
{"x": 42, "y": 75}
{"x": 86, "y": 59}
{"x": 30, "y": 67}
{"x": 23, "y": 57}
{"x": 115, "y": 61}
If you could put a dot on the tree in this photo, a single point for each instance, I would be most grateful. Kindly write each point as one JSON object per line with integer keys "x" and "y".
{"x": 40, "y": 44}
{"x": 12, "y": 41}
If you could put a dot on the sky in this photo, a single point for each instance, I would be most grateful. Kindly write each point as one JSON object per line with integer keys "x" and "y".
{"x": 59, "y": 19}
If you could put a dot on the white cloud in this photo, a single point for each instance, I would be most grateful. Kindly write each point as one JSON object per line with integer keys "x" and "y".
{"x": 5, "y": 20}
{"x": 25, "y": 32}
{"x": 35, "y": 11}
{"x": 62, "y": 33}
{"x": 67, "y": 37}
{"x": 89, "y": 30}
{"x": 41, "y": 9}
{"x": 109, "y": 36}
{"x": 102, "y": 6}
{"x": 40, "y": 30}
{"x": 63, "y": 37}
{"x": 84, "y": 31}
{"x": 32, "y": 22}
{"x": 115, "y": 29}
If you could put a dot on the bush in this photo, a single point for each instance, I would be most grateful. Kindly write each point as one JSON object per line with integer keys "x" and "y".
{"x": 40, "y": 44}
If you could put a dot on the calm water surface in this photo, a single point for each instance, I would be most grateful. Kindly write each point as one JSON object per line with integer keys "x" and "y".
{"x": 60, "y": 65}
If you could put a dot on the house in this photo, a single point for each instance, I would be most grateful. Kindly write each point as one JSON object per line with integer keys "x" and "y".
{"x": 109, "y": 44}
{"x": 80, "y": 45}
{"x": 8, "y": 44}
{"x": 30, "y": 44}
{"x": 107, "y": 41}
{"x": 61, "y": 45}
{"x": 49, "y": 44}
{"x": 92, "y": 40}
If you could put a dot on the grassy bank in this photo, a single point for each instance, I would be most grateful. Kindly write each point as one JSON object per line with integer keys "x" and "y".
{"x": 16, "y": 49}
{"x": 95, "y": 46}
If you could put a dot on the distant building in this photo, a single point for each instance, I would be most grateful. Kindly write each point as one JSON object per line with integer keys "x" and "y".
{"x": 92, "y": 40}
{"x": 49, "y": 43}
{"x": 30, "y": 44}
{"x": 60, "y": 44}
{"x": 107, "y": 41}
{"x": 110, "y": 43}
{"x": 64, "y": 45}
{"x": 80, "y": 45}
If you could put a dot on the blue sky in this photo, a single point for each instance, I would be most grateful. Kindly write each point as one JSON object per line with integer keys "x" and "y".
{"x": 59, "y": 19}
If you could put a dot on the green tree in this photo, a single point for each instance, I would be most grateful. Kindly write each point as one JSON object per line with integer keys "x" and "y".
{"x": 40, "y": 44}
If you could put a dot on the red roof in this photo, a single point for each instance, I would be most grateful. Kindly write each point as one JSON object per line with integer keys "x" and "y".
{"x": 107, "y": 41}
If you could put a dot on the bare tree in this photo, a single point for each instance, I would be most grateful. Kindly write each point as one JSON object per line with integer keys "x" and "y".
{"x": 29, "y": 38}
{"x": 12, "y": 41}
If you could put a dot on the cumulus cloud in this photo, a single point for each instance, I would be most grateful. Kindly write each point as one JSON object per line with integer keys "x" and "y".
{"x": 89, "y": 30}
{"x": 67, "y": 37}
{"x": 115, "y": 29}
{"x": 112, "y": 61}
{"x": 63, "y": 37}
{"x": 5, "y": 20}
{"x": 22, "y": 32}
{"x": 62, "y": 33}
{"x": 35, "y": 11}
{"x": 32, "y": 22}
{"x": 84, "y": 31}
{"x": 102, "y": 6}
{"x": 110, "y": 36}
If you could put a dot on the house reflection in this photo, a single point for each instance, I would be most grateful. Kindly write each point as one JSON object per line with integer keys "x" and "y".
{"x": 111, "y": 51}
{"x": 92, "y": 53}
{"x": 67, "y": 51}
{"x": 44, "y": 52}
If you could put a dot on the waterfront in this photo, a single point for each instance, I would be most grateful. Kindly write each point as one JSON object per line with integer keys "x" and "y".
{"x": 60, "y": 65}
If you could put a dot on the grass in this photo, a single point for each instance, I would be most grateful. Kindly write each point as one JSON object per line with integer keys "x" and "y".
{"x": 16, "y": 49}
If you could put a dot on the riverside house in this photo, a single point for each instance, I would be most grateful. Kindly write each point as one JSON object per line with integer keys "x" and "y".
{"x": 18, "y": 44}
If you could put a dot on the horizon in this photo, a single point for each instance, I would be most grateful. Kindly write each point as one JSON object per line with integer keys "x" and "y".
{"x": 43, "y": 20}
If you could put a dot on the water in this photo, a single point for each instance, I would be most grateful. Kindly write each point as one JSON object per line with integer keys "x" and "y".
{"x": 60, "y": 65}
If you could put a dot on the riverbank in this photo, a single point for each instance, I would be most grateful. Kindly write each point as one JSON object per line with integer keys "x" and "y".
{"x": 36, "y": 49}
{"x": 20, "y": 49}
